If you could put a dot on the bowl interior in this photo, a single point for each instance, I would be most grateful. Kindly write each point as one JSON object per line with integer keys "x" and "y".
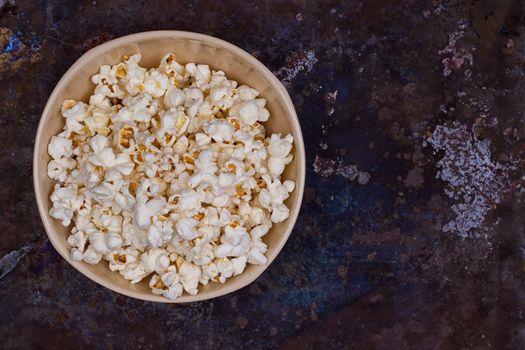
{"x": 188, "y": 47}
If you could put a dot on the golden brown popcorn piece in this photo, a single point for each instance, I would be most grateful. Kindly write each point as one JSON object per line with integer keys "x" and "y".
{"x": 68, "y": 104}
{"x": 120, "y": 258}
{"x": 156, "y": 144}
{"x": 188, "y": 159}
{"x": 239, "y": 192}
{"x": 125, "y": 135}
{"x": 179, "y": 261}
{"x": 231, "y": 167}
{"x": 261, "y": 184}
{"x": 133, "y": 186}
{"x": 159, "y": 284}
{"x": 122, "y": 70}
{"x": 235, "y": 123}
{"x": 199, "y": 216}
{"x": 171, "y": 58}
{"x": 220, "y": 114}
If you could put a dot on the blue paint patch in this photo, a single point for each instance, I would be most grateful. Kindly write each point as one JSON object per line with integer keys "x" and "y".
{"x": 13, "y": 45}
{"x": 34, "y": 43}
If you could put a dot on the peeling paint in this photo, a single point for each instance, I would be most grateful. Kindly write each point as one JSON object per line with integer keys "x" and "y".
{"x": 295, "y": 64}
{"x": 474, "y": 180}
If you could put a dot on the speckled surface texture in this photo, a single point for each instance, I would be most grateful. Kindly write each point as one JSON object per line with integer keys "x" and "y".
{"x": 411, "y": 234}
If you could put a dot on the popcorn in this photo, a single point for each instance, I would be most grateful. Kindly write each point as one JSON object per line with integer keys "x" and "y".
{"x": 57, "y": 169}
{"x": 280, "y": 213}
{"x": 189, "y": 277}
{"x": 132, "y": 74}
{"x": 91, "y": 257}
{"x": 203, "y": 254}
{"x": 255, "y": 256}
{"x": 202, "y": 76}
{"x": 105, "y": 157}
{"x": 156, "y": 259}
{"x": 238, "y": 238}
{"x": 202, "y": 139}
{"x": 168, "y": 174}
{"x": 119, "y": 259}
{"x": 259, "y": 231}
{"x": 168, "y": 285}
{"x": 250, "y": 112}
{"x": 186, "y": 228}
{"x": 174, "y": 123}
{"x": 194, "y": 99}
{"x": 103, "y": 243}
{"x": 75, "y": 114}
{"x": 205, "y": 169}
{"x": 247, "y": 93}
{"x": 279, "y": 149}
{"x": 77, "y": 241}
{"x": 106, "y": 75}
{"x": 125, "y": 138}
{"x": 134, "y": 272}
{"x": 174, "y": 98}
{"x": 181, "y": 145}
{"x": 239, "y": 264}
{"x": 156, "y": 83}
{"x": 65, "y": 202}
{"x": 60, "y": 147}
{"x": 226, "y": 269}
{"x": 220, "y": 130}
{"x": 145, "y": 209}
{"x": 160, "y": 233}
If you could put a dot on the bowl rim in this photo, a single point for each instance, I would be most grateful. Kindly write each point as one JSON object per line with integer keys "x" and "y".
{"x": 298, "y": 145}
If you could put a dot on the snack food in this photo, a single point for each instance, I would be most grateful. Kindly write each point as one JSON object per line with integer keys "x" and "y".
{"x": 169, "y": 172}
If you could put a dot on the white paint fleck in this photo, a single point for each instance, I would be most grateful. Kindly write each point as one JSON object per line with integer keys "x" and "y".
{"x": 296, "y": 64}
{"x": 474, "y": 181}
{"x": 326, "y": 167}
{"x": 457, "y": 57}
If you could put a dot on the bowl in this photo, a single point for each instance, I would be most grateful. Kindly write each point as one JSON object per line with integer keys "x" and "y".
{"x": 189, "y": 47}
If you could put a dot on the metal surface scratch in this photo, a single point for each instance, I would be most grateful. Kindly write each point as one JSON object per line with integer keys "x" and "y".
{"x": 9, "y": 261}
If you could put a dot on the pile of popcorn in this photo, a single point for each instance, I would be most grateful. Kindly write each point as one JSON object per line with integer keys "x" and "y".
{"x": 168, "y": 173}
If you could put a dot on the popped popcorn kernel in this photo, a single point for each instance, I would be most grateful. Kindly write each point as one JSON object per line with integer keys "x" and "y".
{"x": 68, "y": 104}
{"x": 261, "y": 184}
{"x": 232, "y": 167}
{"x": 159, "y": 284}
{"x": 188, "y": 159}
{"x": 234, "y": 224}
{"x": 168, "y": 173}
{"x": 104, "y": 131}
{"x": 120, "y": 258}
{"x": 179, "y": 261}
{"x": 125, "y": 135}
{"x": 133, "y": 186}
{"x": 122, "y": 70}
{"x": 235, "y": 123}
{"x": 199, "y": 216}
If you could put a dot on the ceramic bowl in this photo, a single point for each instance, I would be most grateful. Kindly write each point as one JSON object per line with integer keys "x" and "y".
{"x": 188, "y": 47}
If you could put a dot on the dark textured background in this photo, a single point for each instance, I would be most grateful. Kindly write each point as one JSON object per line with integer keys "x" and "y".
{"x": 368, "y": 265}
